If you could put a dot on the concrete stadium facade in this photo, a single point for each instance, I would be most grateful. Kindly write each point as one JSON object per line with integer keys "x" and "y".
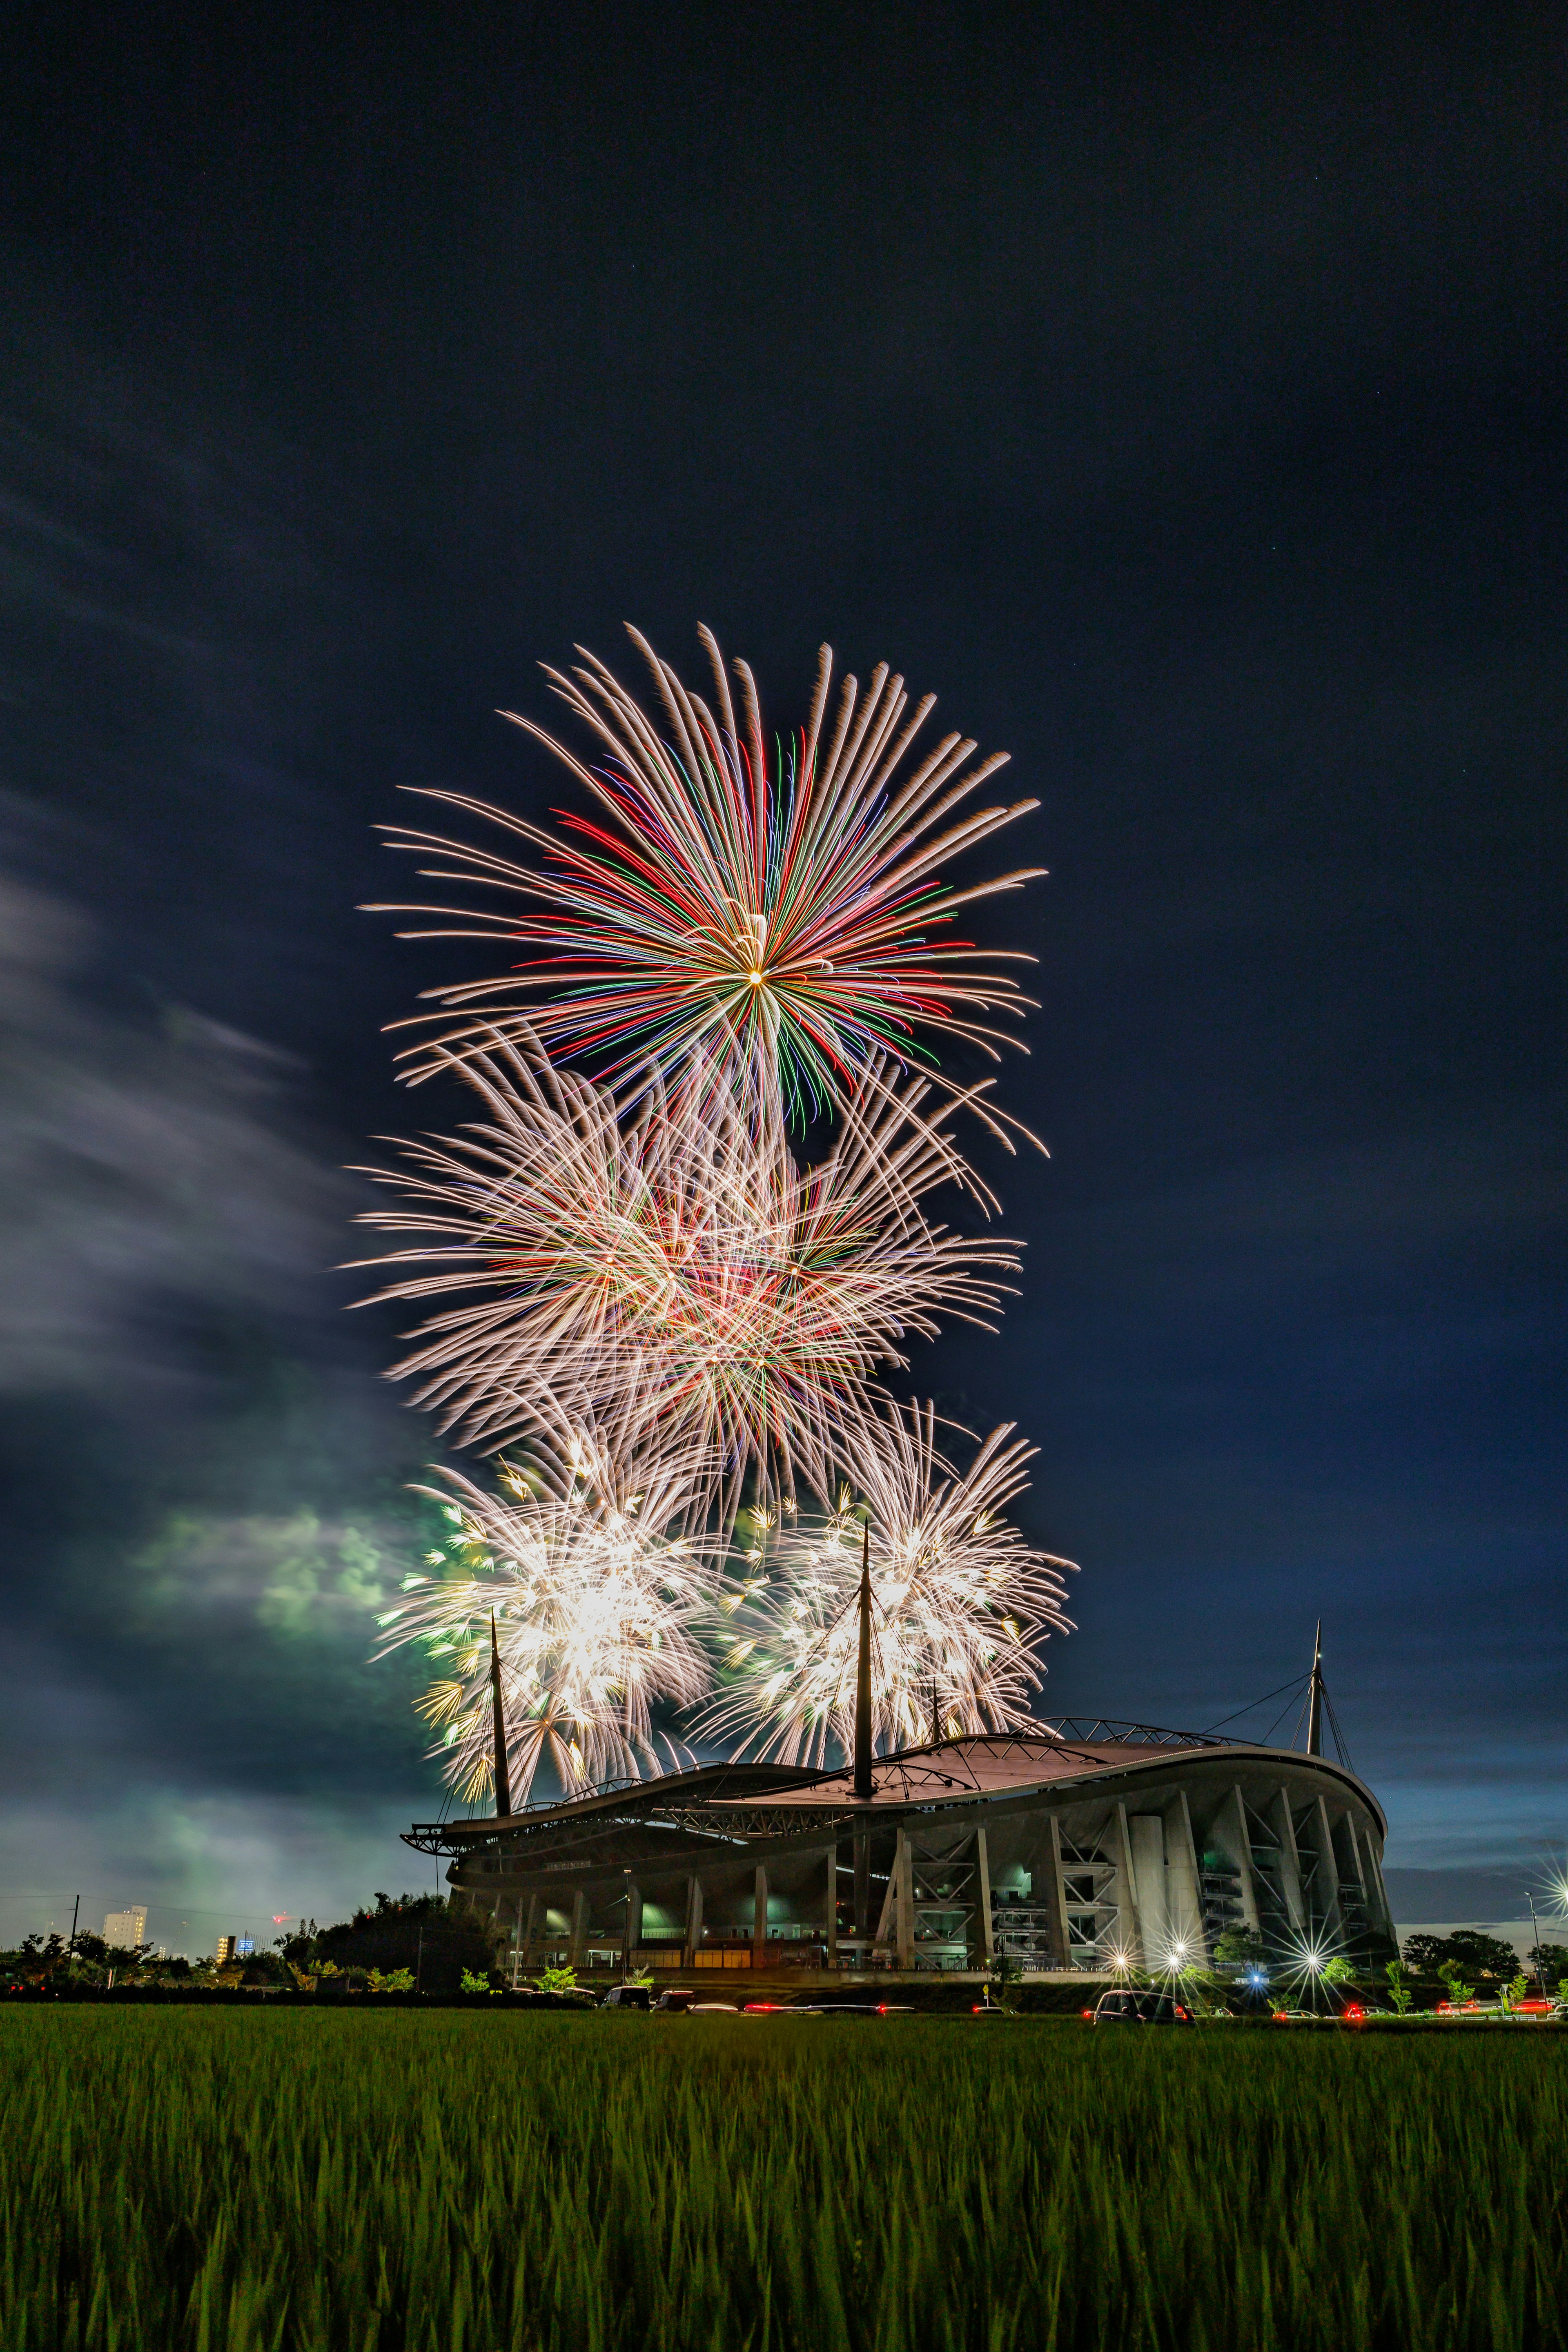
{"x": 1074, "y": 1849}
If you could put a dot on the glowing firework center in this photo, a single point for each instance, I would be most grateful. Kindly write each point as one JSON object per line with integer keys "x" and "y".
{"x": 1085, "y": 1848}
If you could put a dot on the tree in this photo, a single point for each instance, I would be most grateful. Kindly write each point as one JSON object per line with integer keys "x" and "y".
{"x": 1241, "y": 1946}
{"x": 1487, "y": 1957}
{"x": 1458, "y": 1992}
{"x": 1399, "y": 1991}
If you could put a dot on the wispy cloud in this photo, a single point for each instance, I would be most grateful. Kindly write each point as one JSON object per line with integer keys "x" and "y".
{"x": 146, "y": 1172}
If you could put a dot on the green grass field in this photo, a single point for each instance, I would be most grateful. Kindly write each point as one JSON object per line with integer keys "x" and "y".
{"x": 456, "y": 2183}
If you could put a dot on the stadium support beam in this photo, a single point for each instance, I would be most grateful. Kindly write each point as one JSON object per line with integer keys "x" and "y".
{"x": 694, "y": 1919}
{"x": 1289, "y": 1861}
{"x": 1235, "y": 1829}
{"x": 579, "y": 1925}
{"x": 902, "y": 1887}
{"x": 1061, "y": 1942}
{"x": 760, "y": 1919}
{"x": 983, "y": 1871}
{"x": 530, "y": 1932}
{"x": 889, "y": 1900}
{"x": 1333, "y": 1910}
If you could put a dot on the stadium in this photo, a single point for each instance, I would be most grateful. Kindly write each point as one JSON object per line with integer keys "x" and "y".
{"x": 1077, "y": 1848}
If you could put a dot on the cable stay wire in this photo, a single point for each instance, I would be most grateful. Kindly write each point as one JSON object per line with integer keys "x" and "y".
{"x": 1292, "y": 1686}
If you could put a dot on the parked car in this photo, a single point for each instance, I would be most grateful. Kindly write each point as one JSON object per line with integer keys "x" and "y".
{"x": 628, "y": 1996}
{"x": 692, "y": 2004}
{"x": 1138, "y": 2005}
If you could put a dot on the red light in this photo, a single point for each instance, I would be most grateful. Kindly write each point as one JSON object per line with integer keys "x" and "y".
{"x": 1280, "y": 2016}
{"x": 1355, "y": 2013}
{"x": 1088, "y": 2012}
{"x": 882, "y": 2008}
{"x": 1182, "y": 2013}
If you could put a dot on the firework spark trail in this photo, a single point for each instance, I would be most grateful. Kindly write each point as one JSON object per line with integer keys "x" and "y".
{"x": 774, "y": 918}
{"x": 677, "y": 1278}
{"x": 958, "y": 1599}
{"x": 594, "y": 1599}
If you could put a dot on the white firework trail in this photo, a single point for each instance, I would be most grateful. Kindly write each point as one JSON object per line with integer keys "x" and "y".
{"x": 592, "y": 1590}
{"x": 958, "y": 1600}
{"x": 680, "y": 1281}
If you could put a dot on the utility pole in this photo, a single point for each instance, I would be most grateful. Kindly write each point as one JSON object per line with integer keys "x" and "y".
{"x": 497, "y": 1732}
{"x": 76, "y": 1913}
{"x": 1315, "y": 1701}
{"x": 935, "y": 1716}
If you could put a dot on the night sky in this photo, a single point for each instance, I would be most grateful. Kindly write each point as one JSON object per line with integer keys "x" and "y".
{"x": 1179, "y": 395}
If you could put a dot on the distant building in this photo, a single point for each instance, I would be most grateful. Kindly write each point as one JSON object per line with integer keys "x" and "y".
{"x": 225, "y": 1949}
{"x": 123, "y": 1928}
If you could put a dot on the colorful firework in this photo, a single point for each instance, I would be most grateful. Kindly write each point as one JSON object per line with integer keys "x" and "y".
{"x": 958, "y": 1600}
{"x": 678, "y": 1278}
{"x": 592, "y": 1596}
{"x": 782, "y": 919}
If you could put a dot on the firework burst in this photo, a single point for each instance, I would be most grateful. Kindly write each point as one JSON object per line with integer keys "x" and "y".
{"x": 781, "y": 918}
{"x": 593, "y": 1596}
{"x": 679, "y": 1278}
{"x": 958, "y": 1599}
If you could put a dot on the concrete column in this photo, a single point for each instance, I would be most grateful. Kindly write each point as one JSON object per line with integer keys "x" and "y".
{"x": 904, "y": 1913}
{"x": 1147, "y": 1833}
{"x": 579, "y": 1927}
{"x": 531, "y": 1933}
{"x": 1061, "y": 1942}
{"x": 760, "y": 1919}
{"x": 694, "y": 1919}
{"x": 1184, "y": 1889}
{"x": 1289, "y": 1861}
{"x": 831, "y": 1939}
{"x": 862, "y": 1847}
{"x": 631, "y": 1932}
{"x": 983, "y": 1876}
{"x": 1129, "y": 1920}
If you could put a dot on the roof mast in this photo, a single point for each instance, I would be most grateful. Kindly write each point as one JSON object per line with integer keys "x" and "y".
{"x": 863, "y": 1676}
{"x": 1315, "y": 1696}
{"x": 497, "y": 1732}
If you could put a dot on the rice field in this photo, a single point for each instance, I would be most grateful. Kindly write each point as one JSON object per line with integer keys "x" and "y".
{"x": 447, "y": 2182}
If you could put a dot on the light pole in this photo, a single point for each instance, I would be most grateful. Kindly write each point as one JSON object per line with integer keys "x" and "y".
{"x": 1539, "y": 1963}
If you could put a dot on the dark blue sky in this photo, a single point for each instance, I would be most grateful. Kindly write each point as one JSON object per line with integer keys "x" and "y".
{"x": 1178, "y": 395}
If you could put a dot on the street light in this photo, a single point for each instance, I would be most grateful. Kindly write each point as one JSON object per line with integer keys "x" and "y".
{"x": 1535, "y": 1923}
